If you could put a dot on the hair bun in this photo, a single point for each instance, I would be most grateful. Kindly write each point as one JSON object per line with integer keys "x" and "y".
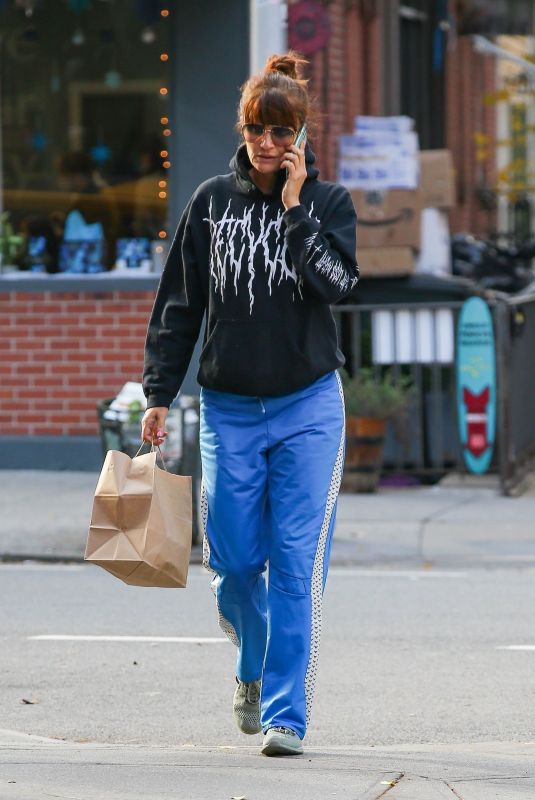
{"x": 288, "y": 64}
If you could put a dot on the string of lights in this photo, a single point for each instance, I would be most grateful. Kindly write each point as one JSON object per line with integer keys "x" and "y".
{"x": 166, "y": 131}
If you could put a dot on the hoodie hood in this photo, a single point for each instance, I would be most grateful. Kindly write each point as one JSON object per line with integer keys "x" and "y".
{"x": 240, "y": 165}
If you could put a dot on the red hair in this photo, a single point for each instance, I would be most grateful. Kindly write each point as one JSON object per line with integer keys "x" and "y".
{"x": 278, "y": 95}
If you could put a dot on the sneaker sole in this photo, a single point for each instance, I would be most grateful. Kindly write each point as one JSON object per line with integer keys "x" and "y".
{"x": 248, "y": 720}
{"x": 249, "y": 731}
{"x": 280, "y": 747}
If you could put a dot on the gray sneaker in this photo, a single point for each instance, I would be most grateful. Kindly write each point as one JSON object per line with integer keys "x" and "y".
{"x": 246, "y": 706}
{"x": 281, "y": 742}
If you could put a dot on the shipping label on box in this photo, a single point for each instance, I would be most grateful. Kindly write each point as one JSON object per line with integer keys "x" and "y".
{"x": 385, "y": 261}
{"x": 437, "y": 180}
{"x": 388, "y": 219}
{"x": 377, "y": 168}
{"x": 350, "y": 144}
{"x": 397, "y": 124}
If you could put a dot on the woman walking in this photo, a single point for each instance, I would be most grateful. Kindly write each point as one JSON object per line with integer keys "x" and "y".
{"x": 263, "y": 251}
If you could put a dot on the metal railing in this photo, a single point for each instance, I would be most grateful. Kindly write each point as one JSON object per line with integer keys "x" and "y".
{"x": 418, "y": 340}
{"x": 515, "y": 327}
{"x": 415, "y": 340}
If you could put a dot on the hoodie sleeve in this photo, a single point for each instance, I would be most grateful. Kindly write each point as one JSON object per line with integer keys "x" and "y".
{"x": 177, "y": 314}
{"x": 324, "y": 253}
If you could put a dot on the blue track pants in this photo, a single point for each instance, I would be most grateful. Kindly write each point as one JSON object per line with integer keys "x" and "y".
{"x": 272, "y": 468}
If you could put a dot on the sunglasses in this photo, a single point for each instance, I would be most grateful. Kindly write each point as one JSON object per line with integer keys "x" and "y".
{"x": 280, "y": 135}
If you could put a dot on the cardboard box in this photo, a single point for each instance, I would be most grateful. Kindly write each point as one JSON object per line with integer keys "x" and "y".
{"x": 388, "y": 219}
{"x": 385, "y": 261}
{"x": 437, "y": 178}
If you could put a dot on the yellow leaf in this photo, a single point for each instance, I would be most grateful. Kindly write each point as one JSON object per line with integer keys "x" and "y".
{"x": 480, "y": 138}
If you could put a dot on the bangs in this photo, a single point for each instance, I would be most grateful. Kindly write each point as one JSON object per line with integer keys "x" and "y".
{"x": 270, "y": 107}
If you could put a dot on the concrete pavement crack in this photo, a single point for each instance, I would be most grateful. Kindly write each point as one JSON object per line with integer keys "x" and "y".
{"x": 455, "y": 792}
{"x": 393, "y": 784}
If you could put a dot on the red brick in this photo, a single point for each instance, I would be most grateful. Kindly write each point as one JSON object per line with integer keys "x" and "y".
{"x": 16, "y": 382}
{"x": 30, "y": 417}
{"x": 83, "y": 356}
{"x": 48, "y": 381}
{"x": 64, "y": 343}
{"x": 53, "y": 429}
{"x": 102, "y": 369}
{"x": 79, "y": 333}
{"x": 27, "y": 297}
{"x": 30, "y": 369}
{"x": 85, "y": 380}
{"x": 20, "y": 332}
{"x": 111, "y": 307}
{"x": 94, "y": 345}
{"x": 10, "y": 428}
{"x": 107, "y": 332}
{"x": 129, "y": 343}
{"x": 29, "y": 393}
{"x": 64, "y": 296}
{"x": 56, "y": 324}
{"x": 81, "y": 430}
{"x": 82, "y": 405}
{"x": 37, "y": 344}
{"x": 61, "y": 418}
{"x": 45, "y": 331}
{"x": 27, "y": 319}
{"x": 49, "y": 357}
{"x": 101, "y": 319}
{"x": 47, "y": 404}
{"x": 80, "y": 308}
{"x": 65, "y": 369}
{"x": 15, "y": 405}
{"x": 63, "y": 393}
{"x": 41, "y": 308}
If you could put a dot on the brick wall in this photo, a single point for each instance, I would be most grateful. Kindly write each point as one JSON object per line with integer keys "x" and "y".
{"x": 469, "y": 76}
{"x": 344, "y": 78}
{"x": 61, "y": 352}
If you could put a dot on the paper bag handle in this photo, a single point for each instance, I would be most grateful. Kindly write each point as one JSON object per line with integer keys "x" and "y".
{"x": 152, "y": 449}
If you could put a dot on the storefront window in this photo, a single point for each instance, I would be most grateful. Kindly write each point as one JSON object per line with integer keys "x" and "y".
{"x": 85, "y": 134}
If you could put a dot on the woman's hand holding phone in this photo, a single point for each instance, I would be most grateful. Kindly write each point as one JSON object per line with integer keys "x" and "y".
{"x": 294, "y": 162}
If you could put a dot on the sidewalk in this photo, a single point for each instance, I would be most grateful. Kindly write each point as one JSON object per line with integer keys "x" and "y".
{"x": 411, "y": 772}
{"x": 463, "y": 521}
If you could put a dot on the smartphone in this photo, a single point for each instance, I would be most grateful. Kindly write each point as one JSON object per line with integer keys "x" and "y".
{"x": 301, "y": 135}
{"x": 299, "y": 138}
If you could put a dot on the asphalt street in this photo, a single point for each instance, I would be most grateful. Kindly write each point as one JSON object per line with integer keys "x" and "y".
{"x": 413, "y": 661}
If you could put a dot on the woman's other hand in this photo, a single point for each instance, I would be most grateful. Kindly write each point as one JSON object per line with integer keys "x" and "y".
{"x": 294, "y": 162}
{"x": 153, "y": 425}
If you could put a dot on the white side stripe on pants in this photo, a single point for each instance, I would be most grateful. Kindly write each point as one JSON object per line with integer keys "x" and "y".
{"x": 224, "y": 624}
{"x": 317, "y": 572}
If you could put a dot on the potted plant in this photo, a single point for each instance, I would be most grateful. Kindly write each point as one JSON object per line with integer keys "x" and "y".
{"x": 10, "y": 243}
{"x": 371, "y": 400}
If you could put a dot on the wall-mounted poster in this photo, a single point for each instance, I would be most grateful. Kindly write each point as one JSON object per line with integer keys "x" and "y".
{"x": 476, "y": 384}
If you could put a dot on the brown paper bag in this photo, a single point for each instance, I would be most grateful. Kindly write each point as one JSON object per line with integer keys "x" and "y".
{"x": 141, "y": 522}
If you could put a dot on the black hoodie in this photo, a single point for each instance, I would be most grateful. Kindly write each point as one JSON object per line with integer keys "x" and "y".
{"x": 265, "y": 278}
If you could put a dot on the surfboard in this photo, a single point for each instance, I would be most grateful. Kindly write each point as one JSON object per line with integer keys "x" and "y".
{"x": 476, "y": 384}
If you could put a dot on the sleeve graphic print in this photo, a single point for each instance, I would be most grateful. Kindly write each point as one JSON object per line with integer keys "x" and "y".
{"x": 324, "y": 253}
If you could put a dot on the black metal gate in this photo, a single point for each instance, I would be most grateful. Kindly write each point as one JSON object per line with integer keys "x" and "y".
{"x": 515, "y": 327}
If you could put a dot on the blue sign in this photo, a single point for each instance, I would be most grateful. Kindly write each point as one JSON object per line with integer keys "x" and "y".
{"x": 476, "y": 384}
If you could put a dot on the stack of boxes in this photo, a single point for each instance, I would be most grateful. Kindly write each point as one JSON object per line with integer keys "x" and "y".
{"x": 400, "y": 194}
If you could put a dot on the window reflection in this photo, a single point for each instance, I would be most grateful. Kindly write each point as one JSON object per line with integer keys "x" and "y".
{"x": 83, "y": 134}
